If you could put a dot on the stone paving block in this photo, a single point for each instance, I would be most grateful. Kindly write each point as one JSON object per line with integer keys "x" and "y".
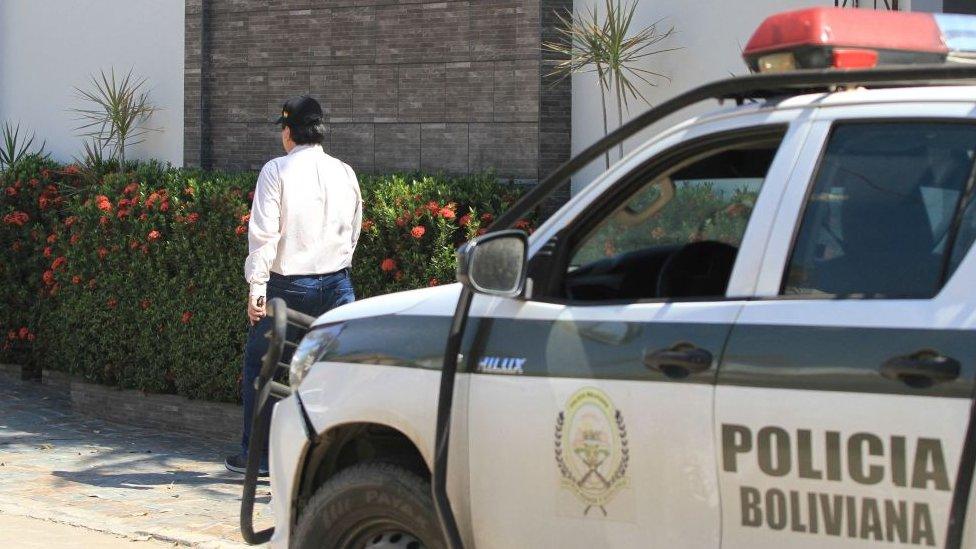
{"x": 59, "y": 465}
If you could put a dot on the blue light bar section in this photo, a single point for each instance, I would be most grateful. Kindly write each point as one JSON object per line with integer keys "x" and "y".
{"x": 958, "y": 31}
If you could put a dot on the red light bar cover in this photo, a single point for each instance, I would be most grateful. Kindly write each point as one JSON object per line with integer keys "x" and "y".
{"x": 849, "y": 28}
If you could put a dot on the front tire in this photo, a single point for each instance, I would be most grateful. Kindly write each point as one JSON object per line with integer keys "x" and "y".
{"x": 373, "y": 505}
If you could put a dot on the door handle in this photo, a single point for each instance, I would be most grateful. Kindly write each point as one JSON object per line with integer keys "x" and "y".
{"x": 921, "y": 369}
{"x": 678, "y": 361}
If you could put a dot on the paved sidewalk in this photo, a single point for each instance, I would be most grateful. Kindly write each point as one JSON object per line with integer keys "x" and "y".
{"x": 114, "y": 478}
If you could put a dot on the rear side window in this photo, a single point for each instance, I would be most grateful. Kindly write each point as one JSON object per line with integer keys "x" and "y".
{"x": 888, "y": 214}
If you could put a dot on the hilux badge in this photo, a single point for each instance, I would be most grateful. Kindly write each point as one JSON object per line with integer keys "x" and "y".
{"x": 501, "y": 365}
{"x": 591, "y": 448}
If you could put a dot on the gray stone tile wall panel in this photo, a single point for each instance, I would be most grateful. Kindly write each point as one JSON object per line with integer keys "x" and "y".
{"x": 454, "y": 86}
{"x": 353, "y": 144}
{"x": 333, "y": 86}
{"x": 397, "y": 147}
{"x": 444, "y": 148}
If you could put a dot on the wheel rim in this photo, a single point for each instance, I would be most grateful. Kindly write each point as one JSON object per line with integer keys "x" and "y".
{"x": 381, "y": 534}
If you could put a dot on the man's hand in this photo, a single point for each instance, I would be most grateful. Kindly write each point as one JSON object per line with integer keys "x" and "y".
{"x": 255, "y": 309}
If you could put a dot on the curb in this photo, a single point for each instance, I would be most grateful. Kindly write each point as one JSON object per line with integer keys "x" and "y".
{"x": 215, "y": 420}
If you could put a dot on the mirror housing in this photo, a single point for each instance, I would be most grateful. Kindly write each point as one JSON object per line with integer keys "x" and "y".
{"x": 494, "y": 263}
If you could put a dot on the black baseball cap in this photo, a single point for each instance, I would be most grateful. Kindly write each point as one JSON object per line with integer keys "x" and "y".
{"x": 300, "y": 110}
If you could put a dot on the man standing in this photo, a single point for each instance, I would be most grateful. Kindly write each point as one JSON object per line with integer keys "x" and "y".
{"x": 305, "y": 221}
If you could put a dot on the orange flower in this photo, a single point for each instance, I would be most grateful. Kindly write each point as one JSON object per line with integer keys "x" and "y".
{"x": 465, "y": 220}
{"x": 133, "y": 245}
{"x": 368, "y": 225}
{"x": 76, "y": 279}
{"x": 23, "y": 332}
{"x": 58, "y": 263}
{"x": 48, "y": 277}
{"x": 130, "y": 188}
{"x": 164, "y": 207}
{"x": 16, "y": 218}
{"x": 418, "y": 232}
{"x": 189, "y": 191}
{"x": 52, "y": 238}
{"x": 192, "y": 217}
{"x": 398, "y": 275}
{"x": 401, "y": 222}
{"x": 244, "y": 218}
{"x": 388, "y": 265}
{"x": 112, "y": 303}
{"x": 102, "y": 253}
{"x": 74, "y": 239}
{"x": 433, "y": 207}
{"x": 144, "y": 248}
{"x": 187, "y": 315}
{"x": 144, "y": 216}
{"x": 144, "y": 304}
{"x": 241, "y": 229}
{"x": 447, "y": 213}
{"x": 70, "y": 221}
{"x": 103, "y": 203}
{"x": 48, "y": 251}
{"x": 153, "y": 235}
{"x": 103, "y": 221}
{"x": 11, "y": 191}
{"x": 433, "y": 282}
{"x": 522, "y": 224}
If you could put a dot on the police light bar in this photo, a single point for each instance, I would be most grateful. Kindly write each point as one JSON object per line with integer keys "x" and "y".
{"x": 820, "y": 38}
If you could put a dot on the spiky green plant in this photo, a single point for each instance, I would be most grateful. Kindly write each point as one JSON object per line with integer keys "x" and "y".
{"x": 16, "y": 146}
{"x": 119, "y": 108}
{"x": 591, "y": 42}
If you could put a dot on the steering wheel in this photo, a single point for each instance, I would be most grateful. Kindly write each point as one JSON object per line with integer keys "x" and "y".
{"x": 698, "y": 269}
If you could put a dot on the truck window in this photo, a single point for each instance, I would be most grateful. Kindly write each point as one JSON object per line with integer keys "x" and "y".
{"x": 884, "y": 210}
{"x": 677, "y": 236}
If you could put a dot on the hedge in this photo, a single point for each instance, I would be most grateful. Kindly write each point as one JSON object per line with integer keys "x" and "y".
{"x": 137, "y": 280}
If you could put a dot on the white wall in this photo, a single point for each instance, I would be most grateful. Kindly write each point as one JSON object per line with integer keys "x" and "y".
{"x": 711, "y": 34}
{"x": 49, "y": 47}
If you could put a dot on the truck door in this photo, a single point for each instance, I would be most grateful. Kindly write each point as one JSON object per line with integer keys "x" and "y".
{"x": 590, "y": 411}
{"x": 844, "y": 394}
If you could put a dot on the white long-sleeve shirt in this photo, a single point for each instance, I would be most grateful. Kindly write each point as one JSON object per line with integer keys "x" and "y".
{"x": 305, "y": 218}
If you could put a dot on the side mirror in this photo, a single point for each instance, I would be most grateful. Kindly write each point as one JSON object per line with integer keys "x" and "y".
{"x": 494, "y": 263}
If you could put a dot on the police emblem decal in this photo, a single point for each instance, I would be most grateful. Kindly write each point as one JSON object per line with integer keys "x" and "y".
{"x": 591, "y": 448}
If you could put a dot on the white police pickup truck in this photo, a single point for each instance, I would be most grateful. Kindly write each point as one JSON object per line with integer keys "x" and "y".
{"x": 756, "y": 330}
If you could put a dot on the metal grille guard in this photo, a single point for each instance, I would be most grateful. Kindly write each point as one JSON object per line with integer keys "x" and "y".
{"x": 267, "y": 387}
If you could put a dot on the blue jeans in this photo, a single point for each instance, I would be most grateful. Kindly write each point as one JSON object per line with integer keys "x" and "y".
{"x": 309, "y": 294}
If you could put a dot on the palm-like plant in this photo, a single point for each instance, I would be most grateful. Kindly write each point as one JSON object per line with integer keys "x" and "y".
{"x": 590, "y": 42}
{"x": 15, "y": 146}
{"x": 119, "y": 107}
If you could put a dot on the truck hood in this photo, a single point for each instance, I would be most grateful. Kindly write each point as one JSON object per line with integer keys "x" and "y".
{"x": 436, "y": 301}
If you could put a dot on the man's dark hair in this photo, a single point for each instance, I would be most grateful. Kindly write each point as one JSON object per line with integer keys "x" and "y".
{"x": 310, "y": 134}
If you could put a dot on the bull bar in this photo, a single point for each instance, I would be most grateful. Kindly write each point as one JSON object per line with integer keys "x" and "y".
{"x": 271, "y": 364}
